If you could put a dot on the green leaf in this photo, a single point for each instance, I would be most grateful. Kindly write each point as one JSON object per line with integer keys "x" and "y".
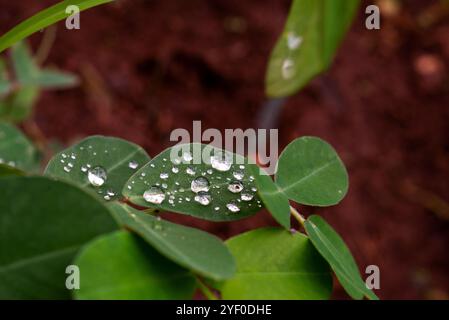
{"x": 6, "y": 171}
{"x": 108, "y": 162}
{"x": 274, "y": 200}
{"x": 332, "y": 247}
{"x": 5, "y": 84}
{"x": 16, "y": 150}
{"x": 193, "y": 249}
{"x": 311, "y": 36}
{"x": 275, "y": 264}
{"x": 19, "y": 105}
{"x": 43, "y": 225}
{"x": 44, "y": 19}
{"x": 310, "y": 172}
{"x": 167, "y": 175}
{"x": 53, "y": 79}
{"x": 122, "y": 266}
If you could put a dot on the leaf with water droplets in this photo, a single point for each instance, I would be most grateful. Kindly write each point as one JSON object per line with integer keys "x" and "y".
{"x": 6, "y": 171}
{"x": 273, "y": 199}
{"x": 311, "y": 36}
{"x": 100, "y": 164}
{"x": 332, "y": 247}
{"x": 193, "y": 249}
{"x": 310, "y": 172}
{"x": 16, "y": 150}
{"x": 121, "y": 266}
{"x": 273, "y": 263}
{"x": 43, "y": 225}
{"x": 197, "y": 180}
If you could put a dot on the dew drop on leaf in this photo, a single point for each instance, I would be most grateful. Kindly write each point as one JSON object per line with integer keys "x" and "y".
{"x": 247, "y": 196}
{"x": 235, "y": 187}
{"x": 221, "y": 161}
{"x": 239, "y": 174}
{"x": 154, "y": 195}
{"x": 190, "y": 171}
{"x": 175, "y": 169}
{"x": 187, "y": 156}
{"x": 163, "y": 175}
{"x": 232, "y": 207}
{"x": 97, "y": 176}
{"x": 200, "y": 184}
{"x": 288, "y": 70}
{"x": 133, "y": 165}
{"x": 203, "y": 198}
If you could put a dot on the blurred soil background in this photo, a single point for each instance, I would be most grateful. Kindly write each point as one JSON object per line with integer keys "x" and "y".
{"x": 150, "y": 66}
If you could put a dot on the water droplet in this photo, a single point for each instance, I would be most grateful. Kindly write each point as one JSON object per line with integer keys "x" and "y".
{"x": 203, "y": 198}
{"x": 97, "y": 176}
{"x": 163, "y": 175}
{"x": 176, "y": 161}
{"x": 107, "y": 197}
{"x": 232, "y": 207}
{"x": 154, "y": 195}
{"x": 133, "y": 165}
{"x": 187, "y": 156}
{"x": 110, "y": 193}
{"x": 288, "y": 69}
{"x": 239, "y": 175}
{"x": 190, "y": 171}
{"x": 209, "y": 171}
{"x": 73, "y": 156}
{"x": 242, "y": 166}
{"x": 200, "y": 184}
{"x": 247, "y": 196}
{"x": 152, "y": 165}
{"x": 164, "y": 186}
{"x": 67, "y": 169}
{"x": 175, "y": 169}
{"x": 217, "y": 208}
{"x": 254, "y": 189}
{"x": 70, "y": 165}
{"x": 83, "y": 169}
{"x": 221, "y": 161}
{"x": 293, "y": 41}
{"x": 64, "y": 155}
{"x": 235, "y": 187}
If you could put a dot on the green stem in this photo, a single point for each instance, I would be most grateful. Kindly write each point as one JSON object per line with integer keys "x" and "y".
{"x": 205, "y": 290}
{"x": 297, "y": 216}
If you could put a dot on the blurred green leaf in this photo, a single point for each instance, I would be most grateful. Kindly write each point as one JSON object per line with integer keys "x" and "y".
{"x": 44, "y": 19}
{"x": 310, "y": 172}
{"x": 122, "y": 266}
{"x": 44, "y": 223}
{"x": 16, "y": 150}
{"x": 6, "y": 171}
{"x": 18, "y": 106}
{"x": 193, "y": 249}
{"x": 53, "y": 79}
{"x": 100, "y": 164}
{"x": 171, "y": 177}
{"x": 274, "y": 264}
{"x": 311, "y": 36}
{"x": 5, "y": 84}
{"x": 332, "y": 247}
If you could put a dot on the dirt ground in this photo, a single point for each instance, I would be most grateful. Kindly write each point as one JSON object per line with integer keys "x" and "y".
{"x": 148, "y": 67}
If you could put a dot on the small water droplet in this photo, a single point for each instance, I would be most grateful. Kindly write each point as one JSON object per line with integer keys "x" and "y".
{"x": 200, "y": 184}
{"x": 83, "y": 169}
{"x": 110, "y": 193}
{"x": 152, "y": 165}
{"x": 203, "y": 198}
{"x": 247, "y": 196}
{"x": 221, "y": 161}
{"x": 67, "y": 169}
{"x": 133, "y": 165}
{"x": 175, "y": 169}
{"x": 239, "y": 174}
{"x": 232, "y": 207}
{"x": 254, "y": 189}
{"x": 64, "y": 155}
{"x": 187, "y": 156}
{"x": 235, "y": 187}
{"x": 190, "y": 171}
{"x": 176, "y": 161}
{"x": 217, "y": 208}
{"x": 97, "y": 176}
{"x": 209, "y": 171}
{"x": 288, "y": 69}
{"x": 293, "y": 41}
{"x": 164, "y": 186}
{"x": 73, "y": 156}
{"x": 154, "y": 195}
{"x": 242, "y": 166}
{"x": 163, "y": 175}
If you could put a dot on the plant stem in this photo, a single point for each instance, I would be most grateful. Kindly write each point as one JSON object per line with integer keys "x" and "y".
{"x": 297, "y": 216}
{"x": 205, "y": 290}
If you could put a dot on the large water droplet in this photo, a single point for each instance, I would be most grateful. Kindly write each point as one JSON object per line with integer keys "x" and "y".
{"x": 239, "y": 174}
{"x": 232, "y": 207}
{"x": 235, "y": 187}
{"x": 247, "y": 196}
{"x": 133, "y": 165}
{"x": 154, "y": 195}
{"x": 203, "y": 198}
{"x": 97, "y": 176}
{"x": 200, "y": 184}
{"x": 288, "y": 69}
{"x": 163, "y": 175}
{"x": 221, "y": 161}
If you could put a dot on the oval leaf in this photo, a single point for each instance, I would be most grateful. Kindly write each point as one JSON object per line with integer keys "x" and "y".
{"x": 169, "y": 177}
{"x": 274, "y": 200}
{"x": 312, "y": 34}
{"x": 44, "y": 19}
{"x": 310, "y": 172}
{"x": 15, "y": 149}
{"x": 44, "y": 223}
{"x": 122, "y": 266}
{"x": 193, "y": 249}
{"x": 332, "y": 247}
{"x": 275, "y": 264}
{"x": 101, "y": 164}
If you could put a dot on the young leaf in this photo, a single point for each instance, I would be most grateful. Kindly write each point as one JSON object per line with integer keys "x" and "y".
{"x": 101, "y": 164}
{"x": 43, "y": 224}
{"x": 312, "y": 34}
{"x": 44, "y": 19}
{"x": 5, "y": 84}
{"x": 311, "y": 173}
{"x": 53, "y": 79}
{"x": 273, "y": 199}
{"x": 122, "y": 266}
{"x": 332, "y": 247}
{"x": 197, "y": 180}
{"x": 19, "y": 105}
{"x": 15, "y": 149}
{"x": 193, "y": 249}
{"x": 275, "y": 264}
